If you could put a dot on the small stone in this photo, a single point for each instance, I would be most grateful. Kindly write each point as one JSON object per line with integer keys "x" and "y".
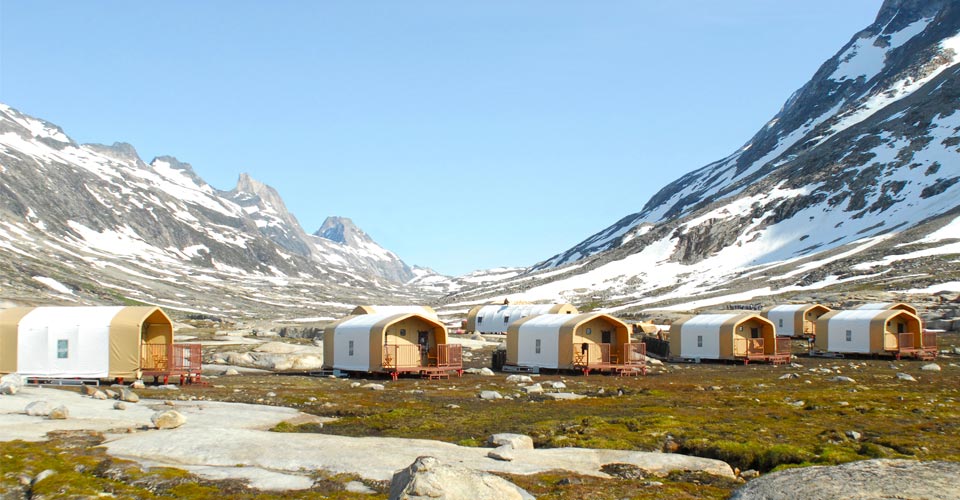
{"x": 854, "y": 435}
{"x": 101, "y": 395}
{"x": 502, "y": 453}
{"x": 38, "y": 409}
{"x": 564, "y": 395}
{"x": 905, "y": 376}
{"x": 453, "y": 406}
{"x": 9, "y": 389}
{"x": 371, "y": 386}
{"x": 88, "y": 390}
{"x": 169, "y": 403}
{"x": 932, "y": 367}
{"x": 59, "y": 413}
{"x": 653, "y": 483}
{"x": 486, "y": 372}
{"x": 109, "y": 393}
{"x": 797, "y": 404}
{"x": 169, "y": 419}
{"x": 230, "y": 372}
{"x": 311, "y": 399}
{"x": 271, "y": 394}
{"x": 558, "y": 385}
{"x": 789, "y": 376}
{"x": 716, "y": 388}
{"x": 119, "y": 405}
{"x": 138, "y": 384}
{"x": 354, "y": 385}
{"x": 843, "y": 403}
{"x": 749, "y": 474}
{"x": 520, "y": 379}
{"x": 842, "y": 379}
{"x": 43, "y": 475}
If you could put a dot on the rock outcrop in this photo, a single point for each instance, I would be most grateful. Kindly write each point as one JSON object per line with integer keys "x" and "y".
{"x": 427, "y": 479}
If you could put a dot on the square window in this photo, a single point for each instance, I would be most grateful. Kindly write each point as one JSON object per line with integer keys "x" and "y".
{"x": 350, "y": 348}
{"x": 538, "y": 346}
{"x": 63, "y": 348}
{"x": 699, "y": 340}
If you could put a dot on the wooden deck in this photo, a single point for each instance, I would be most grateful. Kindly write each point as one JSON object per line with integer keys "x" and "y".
{"x": 433, "y": 364}
{"x": 630, "y": 360}
{"x": 926, "y": 351}
{"x": 755, "y": 350}
{"x": 162, "y": 361}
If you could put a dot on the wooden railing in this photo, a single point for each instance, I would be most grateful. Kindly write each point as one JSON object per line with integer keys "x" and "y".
{"x": 402, "y": 356}
{"x": 747, "y": 347}
{"x": 635, "y": 353}
{"x": 171, "y": 359}
{"x": 783, "y": 345}
{"x": 447, "y": 356}
{"x": 929, "y": 340}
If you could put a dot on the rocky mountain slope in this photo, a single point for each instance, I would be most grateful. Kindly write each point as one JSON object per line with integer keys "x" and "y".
{"x": 855, "y": 180}
{"x": 94, "y": 223}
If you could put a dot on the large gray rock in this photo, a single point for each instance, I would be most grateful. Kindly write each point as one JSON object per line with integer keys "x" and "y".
{"x": 515, "y": 441}
{"x": 59, "y": 413}
{"x": 170, "y": 419}
{"x": 426, "y": 478}
{"x": 11, "y": 384}
{"x": 129, "y": 396}
{"x": 867, "y": 480}
{"x": 38, "y": 409}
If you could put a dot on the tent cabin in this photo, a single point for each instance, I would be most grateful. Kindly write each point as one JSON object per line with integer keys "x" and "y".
{"x": 426, "y": 310}
{"x": 497, "y": 318}
{"x": 590, "y": 341}
{"x": 391, "y": 343}
{"x": 873, "y": 306}
{"x": 897, "y": 332}
{"x": 94, "y": 343}
{"x": 742, "y": 337}
{"x": 795, "y": 320}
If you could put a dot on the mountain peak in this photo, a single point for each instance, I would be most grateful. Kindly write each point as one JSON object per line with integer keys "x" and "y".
{"x": 341, "y": 230}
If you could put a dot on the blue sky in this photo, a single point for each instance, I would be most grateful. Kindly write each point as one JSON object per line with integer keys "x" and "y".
{"x": 460, "y": 135}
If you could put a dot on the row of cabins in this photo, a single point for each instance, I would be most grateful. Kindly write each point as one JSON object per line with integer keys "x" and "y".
{"x": 397, "y": 340}
{"x": 871, "y": 329}
{"x": 133, "y": 342}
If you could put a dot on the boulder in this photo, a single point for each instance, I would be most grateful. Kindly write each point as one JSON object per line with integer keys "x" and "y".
{"x": 111, "y": 394}
{"x": 8, "y": 389}
{"x": 129, "y": 396}
{"x": 169, "y": 419}
{"x": 564, "y": 395}
{"x": 841, "y": 378}
{"x": 486, "y": 372}
{"x": 865, "y": 480}
{"x": 513, "y": 441}
{"x": 373, "y": 387}
{"x": 502, "y": 453}
{"x": 38, "y": 409}
{"x": 138, "y": 384}
{"x": 905, "y": 376}
{"x": 932, "y": 367}
{"x": 100, "y": 395}
{"x": 59, "y": 413}
{"x": 490, "y": 395}
{"x": 14, "y": 379}
{"x": 556, "y": 385}
{"x": 520, "y": 379}
{"x": 231, "y": 372}
{"x": 426, "y": 478}
{"x": 533, "y": 389}
{"x": 119, "y": 405}
{"x": 89, "y": 390}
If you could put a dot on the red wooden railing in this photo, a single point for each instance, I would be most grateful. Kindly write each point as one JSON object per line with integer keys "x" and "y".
{"x": 448, "y": 356}
{"x": 402, "y": 356}
{"x": 171, "y": 359}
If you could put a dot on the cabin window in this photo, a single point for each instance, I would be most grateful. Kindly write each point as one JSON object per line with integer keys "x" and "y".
{"x": 589, "y": 331}
{"x": 350, "y": 348}
{"x": 506, "y": 319}
{"x": 538, "y": 346}
{"x": 849, "y": 335}
{"x": 403, "y": 332}
{"x": 740, "y": 329}
{"x": 63, "y": 349}
{"x": 699, "y": 340}
{"x": 781, "y": 322}
{"x": 479, "y": 319}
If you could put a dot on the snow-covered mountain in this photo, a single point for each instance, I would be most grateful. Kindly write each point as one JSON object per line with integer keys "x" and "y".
{"x": 93, "y": 222}
{"x": 853, "y": 177}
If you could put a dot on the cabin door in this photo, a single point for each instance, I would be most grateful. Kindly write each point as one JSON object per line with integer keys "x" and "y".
{"x": 423, "y": 340}
{"x": 754, "y": 333}
{"x": 605, "y": 336}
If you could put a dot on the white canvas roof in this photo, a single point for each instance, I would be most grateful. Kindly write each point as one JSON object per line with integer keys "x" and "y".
{"x": 403, "y": 309}
{"x": 707, "y": 322}
{"x": 875, "y": 306}
{"x": 857, "y": 314}
{"x": 789, "y": 307}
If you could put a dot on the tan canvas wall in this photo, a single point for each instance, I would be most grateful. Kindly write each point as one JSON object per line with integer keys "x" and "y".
{"x": 389, "y": 331}
{"x": 820, "y": 343}
{"x": 9, "y": 326}
{"x": 676, "y": 333}
{"x": 563, "y": 309}
{"x": 513, "y": 339}
{"x": 741, "y": 327}
{"x": 127, "y": 331}
{"x": 810, "y": 317}
{"x": 472, "y": 319}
